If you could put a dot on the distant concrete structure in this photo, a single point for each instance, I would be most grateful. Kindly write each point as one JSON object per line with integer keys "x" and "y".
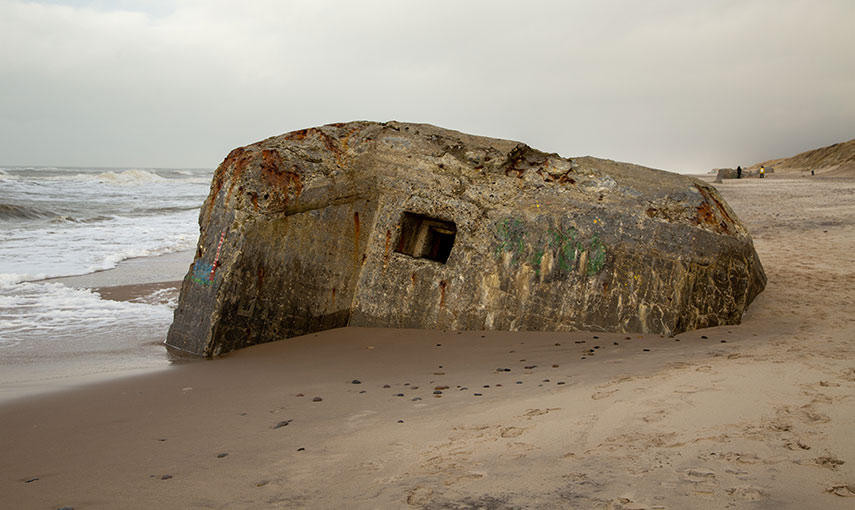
{"x": 413, "y": 226}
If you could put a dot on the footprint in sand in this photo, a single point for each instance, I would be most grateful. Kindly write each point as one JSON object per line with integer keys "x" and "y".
{"x": 603, "y": 394}
{"x": 844, "y": 491}
{"x": 419, "y": 496}
{"x": 748, "y": 493}
{"x": 509, "y": 432}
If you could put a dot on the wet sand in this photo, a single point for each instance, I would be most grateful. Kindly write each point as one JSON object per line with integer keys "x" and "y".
{"x": 759, "y": 415}
{"x": 35, "y": 367}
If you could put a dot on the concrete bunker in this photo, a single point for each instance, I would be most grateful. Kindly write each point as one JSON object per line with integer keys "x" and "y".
{"x": 415, "y": 226}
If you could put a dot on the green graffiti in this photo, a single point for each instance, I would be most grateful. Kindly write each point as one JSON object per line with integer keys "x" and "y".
{"x": 565, "y": 244}
{"x": 536, "y": 259}
{"x": 561, "y": 243}
{"x": 596, "y": 255}
{"x": 511, "y": 233}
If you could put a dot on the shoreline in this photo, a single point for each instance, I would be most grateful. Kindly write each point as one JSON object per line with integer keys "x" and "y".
{"x": 748, "y": 416}
{"x": 30, "y": 370}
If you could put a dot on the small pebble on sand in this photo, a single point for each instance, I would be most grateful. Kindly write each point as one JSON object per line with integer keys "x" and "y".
{"x": 386, "y": 386}
{"x": 166, "y": 477}
{"x": 477, "y": 394}
{"x": 356, "y": 381}
{"x": 555, "y": 365}
{"x": 399, "y": 394}
{"x": 704, "y": 337}
{"x": 400, "y": 421}
{"x": 646, "y": 350}
{"x": 317, "y": 399}
{"x": 301, "y": 449}
{"x": 416, "y": 399}
{"x": 222, "y": 455}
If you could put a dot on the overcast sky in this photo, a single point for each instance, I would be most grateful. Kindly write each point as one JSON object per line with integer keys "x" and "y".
{"x": 673, "y": 84}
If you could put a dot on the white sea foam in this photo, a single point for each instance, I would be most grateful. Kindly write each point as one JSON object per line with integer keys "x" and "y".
{"x": 55, "y": 311}
{"x": 72, "y": 221}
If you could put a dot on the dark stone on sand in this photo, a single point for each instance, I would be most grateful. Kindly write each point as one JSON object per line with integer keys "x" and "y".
{"x": 646, "y": 350}
{"x": 66, "y": 508}
{"x": 31, "y": 480}
{"x": 530, "y": 367}
{"x": 437, "y": 392}
{"x": 704, "y": 337}
{"x": 400, "y": 421}
{"x": 596, "y": 337}
{"x": 477, "y": 394}
{"x": 166, "y": 477}
{"x": 486, "y": 386}
{"x": 283, "y": 423}
{"x": 299, "y": 395}
{"x": 222, "y": 455}
{"x": 317, "y": 399}
{"x": 416, "y": 399}
{"x": 356, "y": 381}
{"x": 560, "y": 382}
{"x": 555, "y": 365}
{"x": 417, "y": 220}
{"x": 519, "y": 382}
{"x": 399, "y": 394}
{"x": 615, "y": 343}
{"x": 546, "y": 380}
{"x": 301, "y": 449}
{"x": 386, "y": 386}
{"x": 579, "y": 342}
{"x": 724, "y": 341}
{"x": 363, "y": 391}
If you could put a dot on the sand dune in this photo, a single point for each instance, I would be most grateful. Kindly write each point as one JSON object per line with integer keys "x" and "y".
{"x": 836, "y": 160}
{"x": 758, "y": 415}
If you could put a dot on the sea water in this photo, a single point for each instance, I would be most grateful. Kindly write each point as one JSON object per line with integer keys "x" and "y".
{"x": 58, "y": 222}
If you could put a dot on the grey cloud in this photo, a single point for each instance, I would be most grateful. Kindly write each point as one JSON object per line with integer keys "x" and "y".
{"x": 668, "y": 84}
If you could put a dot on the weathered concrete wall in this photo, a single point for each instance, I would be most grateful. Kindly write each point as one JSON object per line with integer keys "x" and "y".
{"x": 313, "y": 223}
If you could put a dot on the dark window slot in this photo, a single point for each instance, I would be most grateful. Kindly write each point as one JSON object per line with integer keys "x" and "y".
{"x": 426, "y": 237}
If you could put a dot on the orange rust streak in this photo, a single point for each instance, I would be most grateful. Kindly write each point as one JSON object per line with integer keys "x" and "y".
{"x": 442, "y": 285}
{"x": 276, "y": 177}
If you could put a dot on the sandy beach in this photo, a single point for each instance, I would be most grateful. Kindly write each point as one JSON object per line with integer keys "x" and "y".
{"x": 757, "y": 415}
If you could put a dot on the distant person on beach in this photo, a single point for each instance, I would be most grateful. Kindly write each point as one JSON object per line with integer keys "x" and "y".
{"x": 762, "y": 172}
{"x": 811, "y": 172}
{"x": 739, "y": 172}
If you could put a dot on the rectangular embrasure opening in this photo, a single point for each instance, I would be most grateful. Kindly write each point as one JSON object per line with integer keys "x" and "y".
{"x": 426, "y": 237}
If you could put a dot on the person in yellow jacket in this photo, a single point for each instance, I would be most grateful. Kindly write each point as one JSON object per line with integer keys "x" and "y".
{"x": 762, "y": 171}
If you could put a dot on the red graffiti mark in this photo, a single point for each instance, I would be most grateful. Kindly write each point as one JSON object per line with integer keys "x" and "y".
{"x": 217, "y": 256}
